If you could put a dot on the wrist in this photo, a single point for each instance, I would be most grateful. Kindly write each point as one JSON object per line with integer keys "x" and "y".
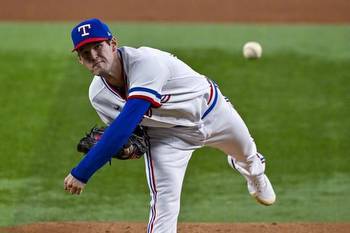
{"x": 77, "y": 176}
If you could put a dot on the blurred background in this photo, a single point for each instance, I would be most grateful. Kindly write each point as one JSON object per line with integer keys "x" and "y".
{"x": 256, "y": 11}
{"x": 295, "y": 101}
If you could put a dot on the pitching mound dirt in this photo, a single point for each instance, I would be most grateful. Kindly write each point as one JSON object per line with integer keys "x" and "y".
{"x": 111, "y": 227}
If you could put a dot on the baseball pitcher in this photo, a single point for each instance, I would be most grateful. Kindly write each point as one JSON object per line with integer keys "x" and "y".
{"x": 179, "y": 111}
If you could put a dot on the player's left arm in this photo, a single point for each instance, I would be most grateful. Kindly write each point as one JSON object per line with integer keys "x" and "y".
{"x": 114, "y": 137}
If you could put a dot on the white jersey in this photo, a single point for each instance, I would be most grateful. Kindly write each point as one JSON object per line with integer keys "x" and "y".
{"x": 179, "y": 95}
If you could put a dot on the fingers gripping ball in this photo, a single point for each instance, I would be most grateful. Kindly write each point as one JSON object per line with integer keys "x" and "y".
{"x": 136, "y": 146}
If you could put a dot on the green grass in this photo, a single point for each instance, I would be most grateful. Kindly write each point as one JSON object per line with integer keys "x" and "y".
{"x": 295, "y": 101}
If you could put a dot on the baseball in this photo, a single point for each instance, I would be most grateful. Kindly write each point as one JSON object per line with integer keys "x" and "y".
{"x": 252, "y": 50}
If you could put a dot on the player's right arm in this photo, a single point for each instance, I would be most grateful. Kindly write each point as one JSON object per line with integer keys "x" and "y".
{"x": 115, "y": 136}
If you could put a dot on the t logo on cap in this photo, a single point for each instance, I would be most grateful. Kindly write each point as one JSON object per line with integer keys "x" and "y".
{"x": 89, "y": 31}
{"x": 84, "y": 27}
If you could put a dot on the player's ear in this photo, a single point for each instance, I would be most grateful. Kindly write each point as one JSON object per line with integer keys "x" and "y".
{"x": 114, "y": 43}
{"x": 79, "y": 58}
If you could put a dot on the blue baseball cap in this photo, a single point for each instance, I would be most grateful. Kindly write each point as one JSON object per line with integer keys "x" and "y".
{"x": 88, "y": 31}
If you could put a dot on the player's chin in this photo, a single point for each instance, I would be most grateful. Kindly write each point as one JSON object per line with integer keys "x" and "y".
{"x": 96, "y": 71}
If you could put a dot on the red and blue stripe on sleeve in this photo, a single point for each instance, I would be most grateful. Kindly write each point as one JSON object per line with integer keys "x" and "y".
{"x": 148, "y": 94}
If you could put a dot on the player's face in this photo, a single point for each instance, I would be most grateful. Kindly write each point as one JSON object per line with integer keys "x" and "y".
{"x": 98, "y": 57}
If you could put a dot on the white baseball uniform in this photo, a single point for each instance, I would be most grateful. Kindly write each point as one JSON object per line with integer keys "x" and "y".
{"x": 188, "y": 112}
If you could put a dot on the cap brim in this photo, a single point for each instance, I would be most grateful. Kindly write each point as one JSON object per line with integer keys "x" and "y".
{"x": 88, "y": 41}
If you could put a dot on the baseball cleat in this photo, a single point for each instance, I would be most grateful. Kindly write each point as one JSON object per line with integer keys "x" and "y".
{"x": 261, "y": 189}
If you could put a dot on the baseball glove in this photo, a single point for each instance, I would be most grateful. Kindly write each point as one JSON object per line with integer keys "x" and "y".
{"x": 136, "y": 146}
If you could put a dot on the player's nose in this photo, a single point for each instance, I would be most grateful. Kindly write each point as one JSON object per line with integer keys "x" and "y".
{"x": 93, "y": 54}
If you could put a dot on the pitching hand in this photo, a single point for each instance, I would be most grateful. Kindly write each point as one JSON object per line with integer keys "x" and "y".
{"x": 73, "y": 185}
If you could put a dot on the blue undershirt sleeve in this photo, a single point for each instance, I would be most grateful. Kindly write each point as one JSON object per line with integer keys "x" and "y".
{"x": 114, "y": 137}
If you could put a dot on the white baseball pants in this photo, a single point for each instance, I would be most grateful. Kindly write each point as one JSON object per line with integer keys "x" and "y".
{"x": 171, "y": 150}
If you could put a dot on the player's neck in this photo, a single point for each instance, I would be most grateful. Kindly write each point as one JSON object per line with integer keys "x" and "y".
{"x": 116, "y": 76}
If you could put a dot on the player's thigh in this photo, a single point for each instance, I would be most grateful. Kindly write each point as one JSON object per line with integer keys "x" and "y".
{"x": 230, "y": 134}
{"x": 167, "y": 165}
